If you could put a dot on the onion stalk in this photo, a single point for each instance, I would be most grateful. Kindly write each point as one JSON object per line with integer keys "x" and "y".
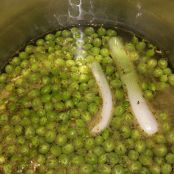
{"x": 106, "y": 111}
{"x": 129, "y": 78}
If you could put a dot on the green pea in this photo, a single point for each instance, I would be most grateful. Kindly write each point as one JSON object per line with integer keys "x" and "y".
{"x": 160, "y": 150}
{"x": 11, "y": 149}
{"x": 164, "y": 78}
{"x": 78, "y": 143}
{"x": 59, "y": 106}
{"x": 170, "y": 158}
{"x": 130, "y": 47}
{"x": 89, "y": 143}
{"x": 24, "y": 149}
{"x": 91, "y": 158}
{"x": 159, "y": 138}
{"x": 44, "y": 148}
{"x": 134, "y": 40}
{"x": 23, "y": 55}
{"x": 157, "y": 72}
{"x": 152, "y": 63}
{"x": 2, "y": 159}
{"x": 159, "y": 160}
{"x": 52, "y": 163}
{"x": 167, "y": 71}
{"x": 29, "y": 171}
{"x": 116, "y": 83}
{"x": 135, "y": 167}
{"x": 97, "y": 42}
{"x": 119, "y": 110}
{"x": 94, "y": 35}
{"x": 41, "y": 131}
{"x": 125, "y": 131}
{"x": 89, "y": 31}
{"x": 55, "y": 150}
{"x": 172, "y": 148}
{"x": 170, "y": 137}
{"x": 71, "y": 133}
{"x": 142, "y": 68}
{"x": 84, "y": 78}
{"x": 102, "y": 159}
{"x": 87, "y": 116}
{"x": 98, "y": 150}
{"x": 29, "y": 132}
{"x": 104, "y": 52}
{"x": 77, "y": 160}
{"x": 61, "y": 139}
{"x": 105, "y": 169}
{"x": 140, "y": 146}
{"x": 150, "y": 143}
{"x": 140, "y": 46}
{"x": 64, "y": 117}
{"x": 118, "y": 169}
{"x": 133, "y": 155}
{"x": 86, "y": 169}
{"x": 7, "y": 168}
{"x": 155, "y": 169}
{"x": 109, "y": 70}
{"x": 29, "y": 49}
{"x": 162, "y": 63}
{"x": 148, "y": 94}
{"x": 81, "y": 124}
{"x": 35, "y": 141}
{"x": 50, "y": 136}
{"x": 20, "y": 140}
{"x": 135, "y": 134}
{"x": 62, "y": 128}
{"x": 150, "y": 52}
{"x": 166, "y": 169}
{"x": 63, "y": 159}
{"x": 3, "y": 119}
{"x": 68, "y": 148}
{"x": 105, "y": 134}
{"x": 9, "y": 69}
{"x": 3, "y": 77}
{"x": 145, "y": 159}
{"x": 101, "y": 31}
{"x": 145, "y": 171}
{"x": 15, "y": 61}
{"x": 108, "y": 145}
{"x": 43, "y": 121}
{"x": 152, "y": 87}
{"x": 113, "y": 158}
{"x": 72, "y": 170}
{"x": 120, "y": 148}
{"x": 58, "y": 33}
{"x": 87, "y": 46}
{"x": 49, "y": 37}
{"x": 128, "y": 117}
{"x": 94, "y": 51}
{"x": 171, "y": 79}
{"x": 111, "y": 33}
{"x": 166, "y": 127}
{"x": 162, "y": 85}
{"x": 99, "y": 140}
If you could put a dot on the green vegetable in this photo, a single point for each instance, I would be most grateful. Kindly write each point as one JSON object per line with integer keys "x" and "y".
{"x": 128, "y": 75}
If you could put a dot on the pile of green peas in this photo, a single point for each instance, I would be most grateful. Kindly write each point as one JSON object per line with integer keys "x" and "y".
{"x": 49, "y": 97}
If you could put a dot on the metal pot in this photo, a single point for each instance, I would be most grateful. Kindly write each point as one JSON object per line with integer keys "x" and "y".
{"x": 21, "y": 21}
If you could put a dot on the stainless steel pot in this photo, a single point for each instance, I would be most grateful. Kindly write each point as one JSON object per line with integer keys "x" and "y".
{"x": 20, "y": 20}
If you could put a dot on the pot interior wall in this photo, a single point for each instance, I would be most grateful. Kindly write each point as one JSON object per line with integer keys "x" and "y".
{"x": 21, "y": 21}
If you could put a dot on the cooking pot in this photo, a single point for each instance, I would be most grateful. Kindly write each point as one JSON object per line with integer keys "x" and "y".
{"x": 21, "y": 21}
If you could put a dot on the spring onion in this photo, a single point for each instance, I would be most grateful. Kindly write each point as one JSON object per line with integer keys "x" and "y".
{"x": 105, "y": 91}
{"x": 129, "y": 78}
